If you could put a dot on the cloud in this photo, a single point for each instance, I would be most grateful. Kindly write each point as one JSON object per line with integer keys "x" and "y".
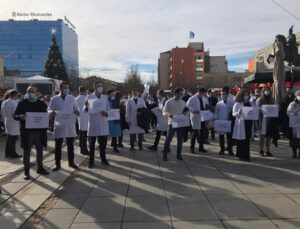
{"x": 114, "y": 33}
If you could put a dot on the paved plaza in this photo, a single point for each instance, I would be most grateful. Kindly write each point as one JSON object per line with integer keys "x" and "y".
{"x": 139, "y": 190}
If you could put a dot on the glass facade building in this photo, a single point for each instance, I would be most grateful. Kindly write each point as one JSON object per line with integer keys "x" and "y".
{"x": 24, "y": 46}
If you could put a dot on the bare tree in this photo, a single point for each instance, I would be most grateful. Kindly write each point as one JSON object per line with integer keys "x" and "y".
{"x": 133, "y": 80}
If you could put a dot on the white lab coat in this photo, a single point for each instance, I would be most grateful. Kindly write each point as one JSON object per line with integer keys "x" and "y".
{"x": 68, "y": 105}
{"x": 292, "y": 108}
{"x": 83, "y": 118}
{"x": 131, "y": 115}
{"x": 239, "y": 131}
{"x": 223, "y": 110}
{"x": 193, "y": 105}
{"x": 12, "y": 127}
{"x": 263, "y": 125}
{"x": 98, "y": 124}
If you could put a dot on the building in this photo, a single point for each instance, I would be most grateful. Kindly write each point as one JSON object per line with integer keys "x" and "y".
{"x": 251, "y": 65}
{"x": 186, "y": 67}
{"x": 219, "y": 80}
{"x": 1, "y": 71}
{"x": 261, "y": 56}
{"x": 24, "y": 46}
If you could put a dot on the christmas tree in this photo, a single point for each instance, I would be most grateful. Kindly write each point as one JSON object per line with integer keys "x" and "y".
{"x": 55, "y": 67}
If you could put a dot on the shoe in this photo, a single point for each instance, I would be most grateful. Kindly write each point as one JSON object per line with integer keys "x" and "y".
{"x": 193, "y": 151}
{"x": 42, "y": 171}
{"x": 26, "y": 177}
{"x": 202, "y": 150}
{"x": 132, "y": 148}
{"x": 262, "y": 153}
{"x": 105, "y": 163}
{"x": 141, "y": 148}
{"x": 294, "y": 156}
{"x": 221, "y": 152}
{"x": 165, "y": 158}
{"x": 152, "y": 148}
{"x": 91, "y": 165}
{"x": 120, "y": 145}
{"x": 56, "y": 168}
{"x": 16, "y": 156}
{"x": 116, "y": 150}
{"x": 179, "y": 157}
{"x": 230, "y": 153}
{"x": 73, "y": 165}
{"x": 111, "y": 144}
{"x": 86, "y": 153}
{"x": 206, "y": 142}
{"x": 268, "y": 153}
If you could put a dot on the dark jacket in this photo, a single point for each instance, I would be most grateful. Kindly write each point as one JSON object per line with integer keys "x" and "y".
{"x": 143, "y": 118}
{"x": 26, "y": 106}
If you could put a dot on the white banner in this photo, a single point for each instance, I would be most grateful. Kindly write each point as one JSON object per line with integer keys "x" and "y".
{"x": 206, "y": 116}
{"x": 222, "y": 126}
{"x": 36, "y": 120}
{"x": 270, "y": 111}
{"x": 250, "y": 113}
{"x": 113, "y": 114}
{"x": 64, "y": 118}
{"x": 179, "y": 121}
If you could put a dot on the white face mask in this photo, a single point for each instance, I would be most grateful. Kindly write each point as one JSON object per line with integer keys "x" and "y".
{"x": 298, "y": 97}
{"x": 100, "y": 89}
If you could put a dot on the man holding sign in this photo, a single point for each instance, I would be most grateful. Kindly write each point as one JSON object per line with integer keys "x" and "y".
{"x": 65, "y": 109}
{"x": 174, "y": 107}
{"x": 32, "y": 136}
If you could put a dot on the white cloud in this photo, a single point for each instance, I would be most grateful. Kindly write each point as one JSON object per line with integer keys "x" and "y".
{"x": 113, "y": 33}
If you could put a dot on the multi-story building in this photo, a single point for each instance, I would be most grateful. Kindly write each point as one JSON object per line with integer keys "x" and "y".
{"x": 24, "y": 46}
{"x": 187, "y": 66}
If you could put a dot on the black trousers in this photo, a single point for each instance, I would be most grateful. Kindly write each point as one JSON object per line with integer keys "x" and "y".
{"x": 203, "y": 133}
{"x": 34, "y": 138}
{"x": 243, "y": 148}
{"x": 83, "y": 141}
{"x": 102, "y": 141}
{"x": 10, "y": 147}
{"x": 70, "y": 149}
{"x": 197, "y": 134}
{"x": 157, "y": 137}
{"x": 222, "y": 141}
{"x": 120, "y": 139}
{"x": 133, "y": 139}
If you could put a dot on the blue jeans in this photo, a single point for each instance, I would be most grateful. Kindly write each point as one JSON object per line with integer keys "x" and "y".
{"x": 170, "y": 134}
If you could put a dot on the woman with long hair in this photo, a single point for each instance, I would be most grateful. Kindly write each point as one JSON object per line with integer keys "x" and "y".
{"x": 242, "y": 130}
{"x": 265, "y": 127}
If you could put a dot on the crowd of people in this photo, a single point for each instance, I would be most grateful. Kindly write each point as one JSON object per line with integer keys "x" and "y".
{"x": 88, "y": 117}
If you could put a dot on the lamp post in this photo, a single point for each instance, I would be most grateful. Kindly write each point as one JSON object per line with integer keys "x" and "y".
{"x": 181, "y": 73}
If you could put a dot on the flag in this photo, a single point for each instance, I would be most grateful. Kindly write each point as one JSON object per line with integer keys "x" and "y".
{"x": 192, "y": 35}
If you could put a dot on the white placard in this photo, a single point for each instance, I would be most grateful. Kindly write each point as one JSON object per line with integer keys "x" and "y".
{"x": 36, "y": 120}
{"x": 113, "y": 114}
{"x": 162, "y": 121}
{"x": 179, "y": 121}
{"x": 222, "y": 126}
{"x": 147, "y": 88}
{"x": 64, "y": 118}
{"x": 250, "y": 113}
{"x": 294, "y": 121}
{"x": 270, "y": 111}
{"x": 206, "y": 116}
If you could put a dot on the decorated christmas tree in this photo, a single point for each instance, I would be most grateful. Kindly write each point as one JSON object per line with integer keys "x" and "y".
{"x": 55, "y": 67}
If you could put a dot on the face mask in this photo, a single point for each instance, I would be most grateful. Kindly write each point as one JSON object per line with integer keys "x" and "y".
{"x": 208, "y": 96}
{"x": 66, "y": 91}
{"x": 100, "y": 89}
{"x": 32, "y": 97}
{"x": 246, "y": 97}
{"x": 298, "y": 97}
{"x": 223, "y": 97}
{"x": 135, "y": 97}
{"x": 113, "y": 98}
{"x": 267, "y": 93}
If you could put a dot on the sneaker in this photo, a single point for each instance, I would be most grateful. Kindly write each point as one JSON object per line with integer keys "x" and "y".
{"x": 56, "y": 168}
{"x": 179, "y": 157}
{"x": 26, "y": 177}
{"x": 141, "y": 148}
{"x": 202, "y": 150}
{"x": 116, "y": 150}
{"x": 221, "y": 152}
{"x": 230, "y": 153}
{"x": 15, "y": 156}
{"x": 91, "y": 165}
{"x": 152, "y": 148}
{"x": 262, "y": 153}
{"x": 120, "y": 145}
{"x": 73, "y": 165}
{"x": 165, "y": 158}
{"x": 268, "y": 153}
{"x": 105, "y": 163}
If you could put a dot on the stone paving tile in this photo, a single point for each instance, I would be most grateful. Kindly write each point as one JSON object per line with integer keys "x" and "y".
{"x": 105, "y": 188}
{"x": 101, "y": 209}
{"x": 285, "y": 185}
{"x": 217, "y": 186}
{"x": 58, "y": 218}
{"x": 209, "y": 172}
{"x": 146, "y": 208}
{"x": 70, "y": 200}
{"x": 176, "y": 172}
{"x": 96, "y": 226}
{"x": 191, "y": 208}
{"x": 181, "y": 187}
{"x": 13, "y": 220}
{"x": 276, "y": 206}
{"x": 145, "y": 187}
{"x": 249, "y": 224}
{"x": 198, "y": 224}
{"x": 235, "y": 207}
{"x": 287, "y": 223}
{"x": 147, "y": 225}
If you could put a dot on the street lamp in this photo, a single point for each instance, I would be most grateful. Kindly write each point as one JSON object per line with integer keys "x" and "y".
{"x": 181, "y": 72}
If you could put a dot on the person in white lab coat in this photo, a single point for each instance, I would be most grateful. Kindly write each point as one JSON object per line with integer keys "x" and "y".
{"x": 132, "y": 105}
{"x": 224, "y": 112}
{"x": 82, "y": 121}
{"x": 98, "y": 127}
{"x": 293, "y": 109}
{"x": 12, "y": 127}
{"x": 66, "y": 103}
{"x": 242, "y": 130}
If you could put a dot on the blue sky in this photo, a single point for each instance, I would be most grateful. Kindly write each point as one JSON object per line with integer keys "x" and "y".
{"x": 114, "y": 34}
